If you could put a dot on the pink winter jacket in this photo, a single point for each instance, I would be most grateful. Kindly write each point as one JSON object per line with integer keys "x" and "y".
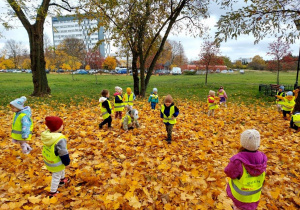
{"x": 254, "y": 162}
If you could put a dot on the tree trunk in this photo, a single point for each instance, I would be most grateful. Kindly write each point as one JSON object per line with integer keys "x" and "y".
{"x": 278, "y": 67}
{"x": 39, "y": 78}
{"x": 135, "y": 75}
{"x": 206, "y": 75}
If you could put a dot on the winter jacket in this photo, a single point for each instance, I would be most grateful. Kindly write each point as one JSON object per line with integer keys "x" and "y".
{"x": 105, "y": 104}
{"x": 254, "y": 162}
{"x": 153, "y": 98}
{"x": 167, "y": 112}
{"x": 60, "y": 149}
{"x": 117, "y": 99}
{"x": 26, "y": 121}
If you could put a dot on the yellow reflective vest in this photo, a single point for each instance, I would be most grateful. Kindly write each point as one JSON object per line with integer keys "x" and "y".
{"x": 16, "y": 132}
{"x": 279, "y": 101}
{"x": 104, "y": 111}
{"x": 128, "y": 99}
{"x": 129, "y": 118}
{"x": 247, "y": 189}
{"x": 288, "y": 105}
{"x": 296, "y": 119}
{"x": 119, "y": 106}
{"x": 170, "y": 119}
{"x": 212, "y": 105}
{"x": 53, "y": 162}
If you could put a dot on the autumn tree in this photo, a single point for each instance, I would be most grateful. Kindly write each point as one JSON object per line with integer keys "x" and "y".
{"x": 227, "y": 61}
{"x": 32, "y": 16}
{"x": 139, "y": 24}
{"x": 208, "y": 55}
{"x": 110, "y": 63}
{"x": 257, "y": 63}
{"x": 94, "y": 59}
{"x": 73, "y": 47}
{"x": 260, "y": 18}
{"x": 278, "y": 49}
{"x": 14, "y": 51}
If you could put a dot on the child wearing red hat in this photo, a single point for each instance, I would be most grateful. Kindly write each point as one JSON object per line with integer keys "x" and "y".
{"x": 55, "y": 153}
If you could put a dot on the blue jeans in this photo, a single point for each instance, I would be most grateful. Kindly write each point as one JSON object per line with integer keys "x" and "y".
{"x": 153, "y": 104}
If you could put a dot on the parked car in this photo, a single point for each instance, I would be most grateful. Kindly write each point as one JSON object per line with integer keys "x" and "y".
{"x": 218, "y": 71}
{"x": 93, "y": 71}
{"x": 242, "y": 71}
{"x": 60, "y": 71}
{"x": 82, "y": 72}
{"x": 176, "y": 70}
{"x": 230, "y": 71}
{"x": 28, "y": 71}
{"x": 47, "y": 71}
{"x": 16, "y": 71}
{"x": 224, "y": 71}
{"x": 122, "y": 71}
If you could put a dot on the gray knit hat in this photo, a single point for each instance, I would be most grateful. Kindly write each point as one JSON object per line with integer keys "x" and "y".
{"x": 250, "y": 139}
{"x": 154, "y": 90}
{"x": 281, "y": 87}
{"x": 19, "y": 102}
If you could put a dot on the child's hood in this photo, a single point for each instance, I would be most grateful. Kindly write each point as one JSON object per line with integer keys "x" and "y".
{"x": 102, "y": 99}
{"x": 49, "y": 138}
{"x": 26, "y": 111}
{"x": 254, "y": 162}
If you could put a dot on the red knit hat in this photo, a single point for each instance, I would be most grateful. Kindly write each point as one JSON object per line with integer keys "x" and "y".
{"x": 53, "y": 123}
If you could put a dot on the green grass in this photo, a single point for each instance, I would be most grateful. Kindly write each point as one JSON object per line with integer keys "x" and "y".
{"x": 239, "y": 87}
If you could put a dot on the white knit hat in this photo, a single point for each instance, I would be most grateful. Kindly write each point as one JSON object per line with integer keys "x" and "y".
{"x": 154, "y": 90}
{"x": 250, "y": 139}
{"x": 211, "y": 92}
{"x": 19, "y": 102}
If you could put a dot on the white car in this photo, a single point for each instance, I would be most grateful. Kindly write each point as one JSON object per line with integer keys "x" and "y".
{"x": 230, "y": 71}
{"x": 242, "y": 72}
{"x": 224, "y": 72}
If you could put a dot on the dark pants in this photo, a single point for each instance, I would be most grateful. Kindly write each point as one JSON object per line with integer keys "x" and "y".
{"x": 169, "y": 129}
{"x": 292, "y": 125}
{"x": 285, "y": 112}
{"x": 107, "y": 120}
{"x": 118, "y": 114}
{"x": 153, "y": 105}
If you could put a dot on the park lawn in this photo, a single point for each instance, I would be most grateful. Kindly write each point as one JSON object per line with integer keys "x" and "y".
{"x": 240, "y": 88}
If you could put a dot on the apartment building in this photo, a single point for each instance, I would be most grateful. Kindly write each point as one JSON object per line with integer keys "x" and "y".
{"x": 69, "y": 27}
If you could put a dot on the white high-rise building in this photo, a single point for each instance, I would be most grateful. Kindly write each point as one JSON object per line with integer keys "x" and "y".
{"x": 69, "y": 27}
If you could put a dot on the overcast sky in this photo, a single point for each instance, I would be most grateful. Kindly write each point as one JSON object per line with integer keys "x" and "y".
{"x": 243, "y": 46}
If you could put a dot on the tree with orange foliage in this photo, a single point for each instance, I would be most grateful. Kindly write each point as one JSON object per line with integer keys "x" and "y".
{"x": 110, "y": 63}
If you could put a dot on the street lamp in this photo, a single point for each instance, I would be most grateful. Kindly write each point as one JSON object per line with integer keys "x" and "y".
{"x": 297, "y": 22}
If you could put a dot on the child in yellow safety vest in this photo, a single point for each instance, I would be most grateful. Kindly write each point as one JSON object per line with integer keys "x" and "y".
{"x": 247, "y": 171}
{"x": 118, "y": 105}
{"x": 169, "y": 112}
{"x": 295, "y": 119}
{"x": 55, "y": 153}
{"x": 128, "y": 98}
{"x": 212, "y": 102}
{"x": 279, "y": 101}
{"x": 288, "y": 104}
{"x": 129, "y": 121}
{"x": 106, "y": 109}
{"x": 22, "y": 125}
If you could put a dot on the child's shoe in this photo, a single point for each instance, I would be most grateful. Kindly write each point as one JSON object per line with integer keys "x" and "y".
{"x": 100, "y": 126}
{"x": 64, "y": 181}
{"x": 169, "y": 141}
{"x": 51, "y": 194}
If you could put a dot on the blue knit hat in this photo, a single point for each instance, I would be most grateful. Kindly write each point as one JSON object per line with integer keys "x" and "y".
{"x": 281, "y": 87}
{"x": 19, "y": 102}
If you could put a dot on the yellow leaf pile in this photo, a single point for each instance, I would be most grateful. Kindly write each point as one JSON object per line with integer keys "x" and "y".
{"x": 113, "y": 169}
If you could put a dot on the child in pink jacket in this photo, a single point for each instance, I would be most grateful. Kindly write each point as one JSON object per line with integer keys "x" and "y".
{"x": 247, "y": 172}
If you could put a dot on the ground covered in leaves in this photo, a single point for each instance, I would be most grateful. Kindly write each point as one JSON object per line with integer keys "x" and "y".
{"x": 111, "y": 169}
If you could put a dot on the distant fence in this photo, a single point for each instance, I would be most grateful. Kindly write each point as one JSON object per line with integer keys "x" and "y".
{"x": 271, "y": 89}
